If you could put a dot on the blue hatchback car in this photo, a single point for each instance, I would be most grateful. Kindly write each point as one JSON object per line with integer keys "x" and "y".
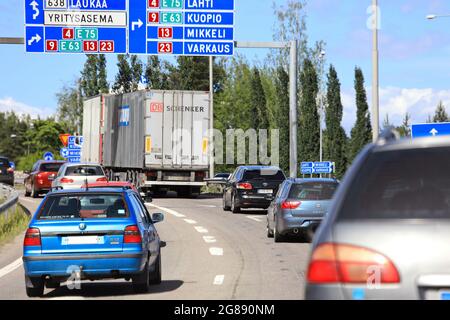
{"x": 89, "y": 235}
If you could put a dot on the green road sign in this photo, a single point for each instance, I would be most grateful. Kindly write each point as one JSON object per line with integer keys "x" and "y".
{"x": 171, "y": 17}
{"x": 70, "y": 46}
{"x": 171, "y": 4}
{"x": 86, "y": 33}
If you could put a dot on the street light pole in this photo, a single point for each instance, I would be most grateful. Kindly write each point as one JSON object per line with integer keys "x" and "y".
{"x": 321, "y": 103}
{"x": 375, "y": 74}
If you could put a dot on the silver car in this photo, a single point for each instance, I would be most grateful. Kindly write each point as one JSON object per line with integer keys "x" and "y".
{"x": 299, "y": 207}
{"x": 77, "y": 175}
{"x": 388, "y": 229}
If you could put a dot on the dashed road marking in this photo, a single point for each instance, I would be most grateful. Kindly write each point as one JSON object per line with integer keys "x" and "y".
{"x": 201, "y": 229}
{"x": 216, "y": 251}
{"x": 190, "y": 221}
{"x": 218, "y": 280}
{"x": 11, "y": 267}
{"x": 256, "y": 218}
{"x": 207, "y": 206}
{"x": 209, "y": 239}
{"x": 169, "y": 211}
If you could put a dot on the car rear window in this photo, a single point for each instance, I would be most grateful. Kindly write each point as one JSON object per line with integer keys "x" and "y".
{"x": 50, "y": 167}
{"x": 313, "y": 191}
{"x": 89, "y": 206}
{"x": 84, "y": 171}
{"x": 264, "y": 174}
{"x": 411, "y": 184}
{"x": 4, "y": 162}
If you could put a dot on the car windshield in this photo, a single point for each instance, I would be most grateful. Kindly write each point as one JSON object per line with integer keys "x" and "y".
{"x": 84, "y": 171}
{"x": 313, "y": 191}
{"x": 411, "y": 184}
{"x": 50, "y": 167}
{"x": 86, "y": 206}
{"x": 264, "y": 174}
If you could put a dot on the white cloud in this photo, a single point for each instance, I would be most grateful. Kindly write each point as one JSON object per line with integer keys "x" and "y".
{"x": 20, "y": 108}
{"x": 394, "y": 101}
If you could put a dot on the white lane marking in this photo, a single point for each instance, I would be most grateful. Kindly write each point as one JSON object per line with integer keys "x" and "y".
{"x": 218, "y": 280}
{"x": 207, "y": 206}
{"x": 68, "y": 298}
{"x": 201, "y": 229}
{"x": 11, "y": 267}
{"x": 216, "y": 251}
{"x": 169, "y": 211}
{"x": 190, "y": 221}
{"x": 209, "y": 239}
{"x": 255, "y": 218}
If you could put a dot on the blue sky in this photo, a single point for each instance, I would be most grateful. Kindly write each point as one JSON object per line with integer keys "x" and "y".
{"x": 414, "y": 54}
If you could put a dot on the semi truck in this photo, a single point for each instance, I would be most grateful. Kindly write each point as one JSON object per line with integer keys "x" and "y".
{"x": 157, "y": 140}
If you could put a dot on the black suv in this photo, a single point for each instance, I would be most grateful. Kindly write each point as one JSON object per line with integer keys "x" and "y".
{"x": 6, "y": 172}
{"x": 251, "y": 187}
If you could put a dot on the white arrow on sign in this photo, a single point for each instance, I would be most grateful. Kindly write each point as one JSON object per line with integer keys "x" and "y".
{"x": 36, "y": 38}
{"x": 434, "y": 132}
{"x": 138, "y": 23}
{"x": 35, "y": 6}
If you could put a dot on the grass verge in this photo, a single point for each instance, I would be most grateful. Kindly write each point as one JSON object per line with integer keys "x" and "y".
{"x": 13, "y": 225}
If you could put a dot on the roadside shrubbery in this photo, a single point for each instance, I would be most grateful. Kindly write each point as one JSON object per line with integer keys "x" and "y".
{"x": 11, "y": 225}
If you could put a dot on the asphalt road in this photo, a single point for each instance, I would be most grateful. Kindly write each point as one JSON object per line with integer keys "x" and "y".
{"x": 210, "y": 254}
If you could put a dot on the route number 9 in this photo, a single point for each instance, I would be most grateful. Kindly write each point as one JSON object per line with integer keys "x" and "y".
{"x": 153, "y": 17}
{"x": 52, "y": 45}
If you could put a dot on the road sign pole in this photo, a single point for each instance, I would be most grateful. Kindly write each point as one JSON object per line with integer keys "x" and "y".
{"x": 211, "y": 117}
{"x": 10, "y": 40}
{"x": 293, "y": 163}
{"x": 375, "y": 80}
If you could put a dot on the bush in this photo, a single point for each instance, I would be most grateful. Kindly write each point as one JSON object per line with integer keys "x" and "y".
{"x": 13, "y": 224}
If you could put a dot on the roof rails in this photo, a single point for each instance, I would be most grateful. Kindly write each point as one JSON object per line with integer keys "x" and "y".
{"x": 388, "y": 135}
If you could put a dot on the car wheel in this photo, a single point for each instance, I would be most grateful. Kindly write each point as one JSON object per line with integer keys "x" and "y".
{"x": 269, "y": 232}
{"x": 277, "y": 237}
{"x": 34, "y": 287}
{"x": 234, "y": 208}
{"x": 155, "y": 276}
{"x": 34, "y": 193}
{"x": 141, "y": 282}
{"x": 224, "y": 203}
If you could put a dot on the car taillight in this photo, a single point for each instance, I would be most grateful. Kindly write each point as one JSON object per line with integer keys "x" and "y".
{"x": 39, "y": 176}
{"x": 32, "y": 237}
{"x": 10, "y": 170}
{"x": 245, "y": 186}
{"x": 290, "y": 204}
{"x": 132, "y": 235}
{"x": 66, "y": 180}
{"x": 102, "y": 179}
{"x": 336, "y": 263}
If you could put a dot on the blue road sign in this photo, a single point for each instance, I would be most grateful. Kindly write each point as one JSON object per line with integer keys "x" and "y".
{"x": 430, "y": 130}
{"x": 76, "y": 26}
{"x": 64, "y": 152}
{"x": 48, "y": 156}
{"x": 12, "y": 165}
{"x": 317, "y": 167}
{"x": 73, "y": 151}
{"x": 157, "y": 27}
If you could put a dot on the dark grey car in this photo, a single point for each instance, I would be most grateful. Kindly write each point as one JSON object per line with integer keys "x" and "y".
{"x": 6, "y": 172}
{"x": 388, "y": 230}
{"x": 299, "y": 207}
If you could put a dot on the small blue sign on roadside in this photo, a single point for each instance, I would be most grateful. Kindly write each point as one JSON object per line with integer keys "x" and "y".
{"x": 317, "y": 167}
{"x": 73, "y": 151}
{"x": 48, "y": 156}
{"x": 430, "y": 130}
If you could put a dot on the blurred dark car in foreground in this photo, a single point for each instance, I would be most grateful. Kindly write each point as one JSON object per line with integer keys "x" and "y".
{"x": 299, "y": 207}
{"x": 388, "y": 229}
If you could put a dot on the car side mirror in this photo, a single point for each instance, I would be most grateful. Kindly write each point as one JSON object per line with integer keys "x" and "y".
{"x": 157, "y": 217}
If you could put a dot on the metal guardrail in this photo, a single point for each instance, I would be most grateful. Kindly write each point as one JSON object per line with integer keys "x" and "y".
{"x": 12, "y": 199}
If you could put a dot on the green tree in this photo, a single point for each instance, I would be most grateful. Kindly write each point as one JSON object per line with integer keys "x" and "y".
{"x": 405, "y": 129}
{"x": 103, "y": 86}
{"x": 309, "y": 129}
{"x": 258, "y": 103}
{"x": 386, "y": 122}
{"x": 137, "y": 69}
{"x": 70, "y": 107}
{"x": 282, "y": 116}
{"x": 89, "y": 76}
{"x": 441, "y": 114}
{"x": 124, "y": 77}
{"x": 156, "y": 74}
{"x": 190, "y": 73}
{"x": 362, "y": 131}
{"x": 335, "y": 137}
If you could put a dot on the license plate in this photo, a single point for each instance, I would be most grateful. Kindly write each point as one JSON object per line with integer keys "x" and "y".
{"x": 67, "y": 241}
{"x": 445, "y": 295}
{"x": 265, "y": 191}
